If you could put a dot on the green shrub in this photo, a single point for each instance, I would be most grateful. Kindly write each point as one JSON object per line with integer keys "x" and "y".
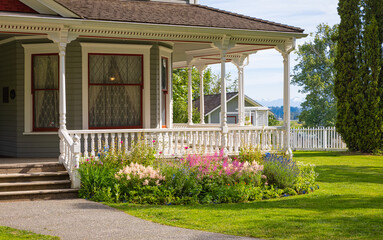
{"x": 280, "y": 171}
{"x": 250, "y": 153}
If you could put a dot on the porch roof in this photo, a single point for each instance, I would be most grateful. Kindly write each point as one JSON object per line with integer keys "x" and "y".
{"x": 169, "y": 14}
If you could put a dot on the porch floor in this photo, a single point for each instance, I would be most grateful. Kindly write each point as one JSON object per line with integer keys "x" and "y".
{"x": 8, "y": 160}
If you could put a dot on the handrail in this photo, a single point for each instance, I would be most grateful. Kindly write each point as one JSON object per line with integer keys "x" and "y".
{"x": 70, "y": 150}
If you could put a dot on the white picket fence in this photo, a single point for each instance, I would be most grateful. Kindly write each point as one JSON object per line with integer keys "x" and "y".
{"x": 325, "y": 139}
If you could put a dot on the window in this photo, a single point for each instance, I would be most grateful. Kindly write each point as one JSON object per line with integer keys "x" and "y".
{"x": 45, "y": 91}
{"x": 164, "y": 87}
{"x": 115, "y": 90}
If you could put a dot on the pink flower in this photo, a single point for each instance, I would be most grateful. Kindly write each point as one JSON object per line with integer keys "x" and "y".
{"x": 87, "y": 160}
{"x": 154, "y": 141}
{"x": 160, "y": 152}
{"x": 264, "y": 177}
{"x": 122, "y": 142}
{"x": 186, "y": 147}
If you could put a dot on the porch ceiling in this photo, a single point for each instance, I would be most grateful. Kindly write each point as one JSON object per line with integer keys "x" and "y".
{"x": 206, "y": 54}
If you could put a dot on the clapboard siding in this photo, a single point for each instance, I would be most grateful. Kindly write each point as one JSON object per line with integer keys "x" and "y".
{"x": 154, "y": 86}
{"x": 74, "y": 85}
{"x": 8, "y": 111}
{"x": 13, "y": 141}
{"x": 30, "y": 145}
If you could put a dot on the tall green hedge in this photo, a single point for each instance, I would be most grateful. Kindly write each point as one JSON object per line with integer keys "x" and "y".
{"x": 359, "y": 79}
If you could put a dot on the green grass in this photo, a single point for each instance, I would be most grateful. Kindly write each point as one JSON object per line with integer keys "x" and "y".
{"x": 7, "y": 233}
{"x": 348, "y": 205}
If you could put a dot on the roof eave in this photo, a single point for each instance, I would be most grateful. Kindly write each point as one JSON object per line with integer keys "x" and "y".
{"x": 157, "y": 27}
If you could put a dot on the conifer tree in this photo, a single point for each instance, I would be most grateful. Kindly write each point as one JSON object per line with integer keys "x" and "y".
{"x": 346, "y": 65}
{"x": 359, "y": 78}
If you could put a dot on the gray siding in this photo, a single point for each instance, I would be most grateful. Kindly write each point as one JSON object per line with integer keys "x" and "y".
{"x": 154, "y": 86}
{"x": 8, "y": 111}
{"x": 30, "y": 145}
{"x": 74, "y": 85}
{"x": 13, "y": 141}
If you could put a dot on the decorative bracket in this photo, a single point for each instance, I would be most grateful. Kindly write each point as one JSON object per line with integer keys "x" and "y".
{"x": 224, "y": 45}
{"x": 63, "y": 37}
{"x": 240, "y": 62}
{"x": 286, "y": 48}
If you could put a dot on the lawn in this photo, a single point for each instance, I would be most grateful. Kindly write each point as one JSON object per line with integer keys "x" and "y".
{"x": 348, "y": 205}
{"x": 7, "y": 233}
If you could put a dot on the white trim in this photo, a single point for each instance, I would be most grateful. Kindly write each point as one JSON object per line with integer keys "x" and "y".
{"x": 38, "y": 7}
{"x": 39, "y": 133}
{"x": 11, "y": 39}
{"x": 29, "y": 49}
{"x": 106, "y": 48}
{"x": 54, "y": 7}
{"x": 167, "y": 53}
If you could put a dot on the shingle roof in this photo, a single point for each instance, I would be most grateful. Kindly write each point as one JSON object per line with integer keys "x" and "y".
{"x": 213, "y": 101}
{"x": 170, "y": 14}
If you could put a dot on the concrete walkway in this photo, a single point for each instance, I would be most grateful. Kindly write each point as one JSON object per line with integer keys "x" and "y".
{"x": 82, "y": 219}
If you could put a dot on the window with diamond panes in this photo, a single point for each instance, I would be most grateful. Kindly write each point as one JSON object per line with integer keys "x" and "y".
{"x": 115, "y": 91}
{"x": 45, "y": 91}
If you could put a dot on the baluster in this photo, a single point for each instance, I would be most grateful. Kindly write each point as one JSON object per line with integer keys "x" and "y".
{"x": 170, "y": 150}
{"x": 217, "y": 140}
{"x": 132, "y": 141}
{"x": 176, "y": 144}
{"x": 92, "y": 147}
{"x": 86, "y": 154}
{"x": 119, "y": 142}
{"x": 182, "y": 150}
{"x": 205, "y": 142}
{"x": 194, "y": 139}
{"x": 210, "y": 138}
{"x": 126, "y": 142}
{"x": 106, "y": 137}
{"x": 98, "y": 142}
{"x": 112, "y": 142}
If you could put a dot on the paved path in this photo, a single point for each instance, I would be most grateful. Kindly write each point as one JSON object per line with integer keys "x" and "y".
{"x": 81, "y": 219}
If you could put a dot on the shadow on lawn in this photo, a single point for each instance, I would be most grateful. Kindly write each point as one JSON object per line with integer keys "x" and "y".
{"x": 346, "y": 173}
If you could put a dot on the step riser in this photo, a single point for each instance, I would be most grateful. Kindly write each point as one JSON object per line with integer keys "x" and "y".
{"x": 46, "y": 196}
{"x": 34, "y": 178}
{"x": 35, "y": 187}
{"x": 32, "y": 170}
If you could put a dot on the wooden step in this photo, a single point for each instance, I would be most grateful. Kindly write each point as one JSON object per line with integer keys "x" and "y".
{"x": 39, "y": 194}
{"x": 31, "y": 167}
{"x": 34, "y": 185}
{"x": 37, "y": 176}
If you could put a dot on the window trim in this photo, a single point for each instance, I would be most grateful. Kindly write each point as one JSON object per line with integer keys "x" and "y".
{"x": 119, "y": 84}
{"x": 29, "y": 49}
{"x": 35, "y": 129}
{"x": 111, "y": 48}
{"x": 166, "y": 53}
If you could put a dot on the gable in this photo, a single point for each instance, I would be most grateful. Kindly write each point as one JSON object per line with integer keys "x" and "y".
{"x": 15, "y": 6}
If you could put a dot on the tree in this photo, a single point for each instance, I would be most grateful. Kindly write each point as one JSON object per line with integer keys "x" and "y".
{"x": 358, "y": 82}
{"x": 212, "y": 85}
{"x": 315, "y": 73}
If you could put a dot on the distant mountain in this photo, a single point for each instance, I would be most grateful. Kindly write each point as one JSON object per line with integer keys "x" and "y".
{"x": 295, "y": 102}
{"x": 278, "y": 112}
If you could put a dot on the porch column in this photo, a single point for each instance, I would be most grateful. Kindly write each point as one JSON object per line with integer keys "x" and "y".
{"x": 286, "y": 101}
{"x": 285, "y": 49}
{"x": 190, "y": 95}
{"x": 62, "y": 100}
{"x": 201, "y": 68}
{"x": 224, "y": 127}
{"x": 240, "y": 64}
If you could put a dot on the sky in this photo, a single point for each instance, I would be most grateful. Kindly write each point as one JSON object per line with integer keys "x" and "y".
{"x": 264, "y": 74}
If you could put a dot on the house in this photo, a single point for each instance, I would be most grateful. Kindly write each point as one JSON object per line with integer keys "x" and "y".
{"x": 255, "y": 113}
{"x": 79, "y": 74}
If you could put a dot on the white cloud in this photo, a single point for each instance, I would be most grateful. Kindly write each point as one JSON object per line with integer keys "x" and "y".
{"x": 263, "y": 76}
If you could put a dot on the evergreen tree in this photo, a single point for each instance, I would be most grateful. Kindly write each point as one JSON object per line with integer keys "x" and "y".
{"x": 358, "y": 82}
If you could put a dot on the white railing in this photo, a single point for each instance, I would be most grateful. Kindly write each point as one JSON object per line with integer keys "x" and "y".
{"x": 316, "y": 139}
{"x": 70, "y": 155}
{"x": 181, "y": 141}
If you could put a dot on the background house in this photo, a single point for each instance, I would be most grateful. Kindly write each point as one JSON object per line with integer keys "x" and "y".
{"x": 254, "y": 112}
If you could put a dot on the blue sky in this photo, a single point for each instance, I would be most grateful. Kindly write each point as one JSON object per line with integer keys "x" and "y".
{"x": 264, "y": 74}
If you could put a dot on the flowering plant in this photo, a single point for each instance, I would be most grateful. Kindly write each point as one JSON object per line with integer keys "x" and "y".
{"x": 137, "y": 172}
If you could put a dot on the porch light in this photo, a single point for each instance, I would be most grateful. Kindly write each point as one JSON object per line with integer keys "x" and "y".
{"x": 112, "y": 78}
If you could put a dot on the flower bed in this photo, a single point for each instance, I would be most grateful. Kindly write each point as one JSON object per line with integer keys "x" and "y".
{"x": 138, "y": 177}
